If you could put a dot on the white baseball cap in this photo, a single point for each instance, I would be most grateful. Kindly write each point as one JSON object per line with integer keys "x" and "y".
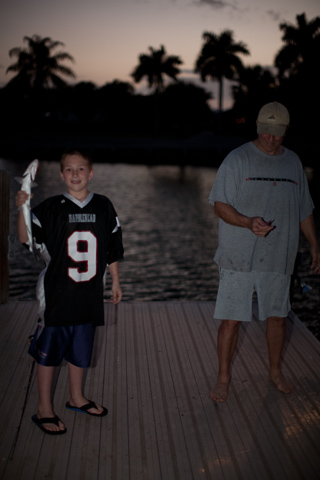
{"x": 274, "y": 119}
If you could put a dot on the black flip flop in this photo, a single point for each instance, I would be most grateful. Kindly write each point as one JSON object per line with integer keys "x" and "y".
{"x": 54, "y": 420}
{"x": 86, "y": 407}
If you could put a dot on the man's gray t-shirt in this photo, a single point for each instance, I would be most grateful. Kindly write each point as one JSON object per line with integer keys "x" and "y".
{"x": 273, "y": 187}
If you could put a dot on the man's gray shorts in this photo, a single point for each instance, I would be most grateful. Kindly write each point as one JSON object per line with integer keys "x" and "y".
{"x": 234, "y": 299}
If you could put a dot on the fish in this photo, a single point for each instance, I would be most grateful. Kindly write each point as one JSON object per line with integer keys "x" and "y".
{"x": 27, "y": 182}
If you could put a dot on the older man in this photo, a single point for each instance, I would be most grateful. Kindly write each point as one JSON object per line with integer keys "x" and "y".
{"x": 262, "y": 199}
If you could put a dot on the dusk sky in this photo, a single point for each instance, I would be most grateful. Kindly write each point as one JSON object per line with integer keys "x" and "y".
{"x": 105, "y": 37}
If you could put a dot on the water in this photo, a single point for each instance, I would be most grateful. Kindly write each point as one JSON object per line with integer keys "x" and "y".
{"x": 170, "y": 234}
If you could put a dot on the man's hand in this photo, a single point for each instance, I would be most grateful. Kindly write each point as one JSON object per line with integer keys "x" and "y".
{"x": 315, "y": 254}
{"x": 259, "y": 227}
{"x": 230, "y": 215}
{"x": 309, "y": 230}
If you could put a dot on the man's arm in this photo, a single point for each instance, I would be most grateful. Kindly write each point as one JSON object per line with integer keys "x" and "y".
{"x": 309, "y": 231}
{"x": 230, "y": 215}
{"x": 115, "y": 288}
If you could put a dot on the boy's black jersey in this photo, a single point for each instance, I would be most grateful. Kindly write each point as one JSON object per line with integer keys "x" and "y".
{"x": 77, "y": 241}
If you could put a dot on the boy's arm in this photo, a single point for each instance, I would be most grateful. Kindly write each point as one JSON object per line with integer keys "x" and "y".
{"x": 116, "y": 289}
{"x": 308, "y": 229}
{"x": 21, "y": 198}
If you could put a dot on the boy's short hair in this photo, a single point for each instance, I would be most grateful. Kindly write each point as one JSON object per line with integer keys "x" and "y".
{"x": 75, "y": 151}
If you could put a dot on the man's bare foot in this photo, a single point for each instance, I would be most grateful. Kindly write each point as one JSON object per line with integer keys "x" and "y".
{"x": 220, "y": 391}
{"x": 282, "y": 384}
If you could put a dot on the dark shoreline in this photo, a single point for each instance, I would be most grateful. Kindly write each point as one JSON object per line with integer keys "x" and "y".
{"x": 204, "y": 149}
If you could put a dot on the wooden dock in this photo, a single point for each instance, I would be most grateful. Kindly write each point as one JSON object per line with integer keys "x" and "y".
{"x": 153, "y": 366}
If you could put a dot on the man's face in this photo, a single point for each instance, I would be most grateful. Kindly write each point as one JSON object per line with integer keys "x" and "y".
{"x": 270, "y": 143}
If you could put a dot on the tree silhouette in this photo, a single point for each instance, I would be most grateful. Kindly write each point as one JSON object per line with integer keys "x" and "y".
{"x": 298, "y": 75}
{"x": 117, "y": 90}
{"x": 36, "y": 67}
{"x": 185, "y": 109}
{"x": 300, "y": 53}
{"x": 256, "y": 85}
{"x": 155, "y": 66}
{"x": 114, "y": 106}
{"x": 218, "y": 58}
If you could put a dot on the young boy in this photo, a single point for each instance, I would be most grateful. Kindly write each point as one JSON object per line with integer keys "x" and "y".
{"x": 78, "y": 234}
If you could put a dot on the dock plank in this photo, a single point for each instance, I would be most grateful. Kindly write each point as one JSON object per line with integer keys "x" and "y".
{"x": 153, "y": 366}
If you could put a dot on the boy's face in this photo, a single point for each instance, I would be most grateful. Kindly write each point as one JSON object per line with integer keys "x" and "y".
{"x": 76, "y": 174}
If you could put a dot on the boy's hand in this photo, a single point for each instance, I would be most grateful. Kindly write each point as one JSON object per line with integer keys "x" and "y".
{"x": 116, "y": 293}
{"x": 21, "y": 198}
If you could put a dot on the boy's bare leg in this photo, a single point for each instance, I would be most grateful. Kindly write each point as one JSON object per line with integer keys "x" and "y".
{"x": 227, "y": 341}
{"x": 77, "y": 398}
{"x": 276, "y": 334}
{"x": 45, "y": 408}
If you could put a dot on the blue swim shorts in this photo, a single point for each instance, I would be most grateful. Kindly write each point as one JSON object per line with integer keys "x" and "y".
{"x": 50, "y": 345}
{"x": 235, "y": 294}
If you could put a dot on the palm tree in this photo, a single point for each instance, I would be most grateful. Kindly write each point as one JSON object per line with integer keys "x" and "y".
{"x": 218, "y": 58}
{"x": 300, "y": 53}
{"x": 155, "y": 66}
{"x": 36, "y": 67}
